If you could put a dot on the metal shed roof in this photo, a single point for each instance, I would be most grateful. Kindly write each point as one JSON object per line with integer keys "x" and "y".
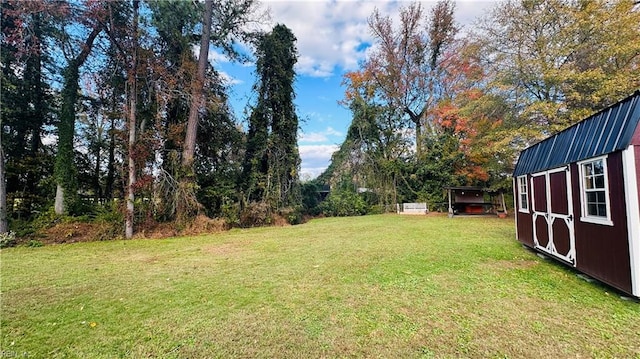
{"x": 607, "y": 131}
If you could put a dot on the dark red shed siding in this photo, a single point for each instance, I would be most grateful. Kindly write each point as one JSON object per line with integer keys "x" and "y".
{"x": 524, "y": 220}
{"x": 603, "y": 251}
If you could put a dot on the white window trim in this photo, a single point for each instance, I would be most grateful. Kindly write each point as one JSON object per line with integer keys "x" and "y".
{"x": 528, "y": 193}
{"x": 584, "y": 217}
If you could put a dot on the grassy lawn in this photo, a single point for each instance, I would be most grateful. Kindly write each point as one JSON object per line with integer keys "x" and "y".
{"x": 376, "y": 286}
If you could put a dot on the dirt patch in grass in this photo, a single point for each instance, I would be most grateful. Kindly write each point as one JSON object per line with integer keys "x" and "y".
{"x": 510, "y": 264}
{"x": 227, "y": 249}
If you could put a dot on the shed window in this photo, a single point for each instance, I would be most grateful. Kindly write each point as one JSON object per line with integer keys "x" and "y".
{"x": 523, "y": 194}
{"x": 595, "y": 191}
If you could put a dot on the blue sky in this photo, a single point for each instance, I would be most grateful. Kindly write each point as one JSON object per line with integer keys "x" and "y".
{"x": 332, "y": 39}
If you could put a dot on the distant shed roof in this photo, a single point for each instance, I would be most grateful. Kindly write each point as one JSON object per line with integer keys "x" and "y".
{"x": 607, "y": 131}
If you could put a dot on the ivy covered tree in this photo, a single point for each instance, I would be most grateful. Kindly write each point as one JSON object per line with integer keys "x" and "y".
{"x": 92, "y": 16}
{"x": 272, "y": 160}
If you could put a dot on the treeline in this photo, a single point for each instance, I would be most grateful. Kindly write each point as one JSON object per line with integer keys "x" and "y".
{"x": 435, "y": 106}
{"x": 108, "y": 115}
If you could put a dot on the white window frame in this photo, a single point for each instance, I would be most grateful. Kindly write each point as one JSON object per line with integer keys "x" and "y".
{"x": 520, "y": 181}
{"x": 584, "y": 215}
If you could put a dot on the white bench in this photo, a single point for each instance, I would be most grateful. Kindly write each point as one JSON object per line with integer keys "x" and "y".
{"x": 412, "y": 208}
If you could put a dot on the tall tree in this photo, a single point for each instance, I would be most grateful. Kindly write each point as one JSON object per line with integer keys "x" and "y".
{"x": 197, "y": 87}
{"x": 407, "y": 61}
{"x": 374, "y": 149}
{"x": 223, "y": 23}
{"x": 272, "y": 160}
{"x": 132, "y": 83}
{"x": 65, "y": 171}
{"x": 4, "y": 227}
{"x": 557, "y": 61}
{"x": 27, "y": 105}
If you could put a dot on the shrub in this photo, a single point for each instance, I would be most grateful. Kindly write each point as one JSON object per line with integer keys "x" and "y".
{"x": 292, "y": 215}
{"x": 34, "y": 243}
{"x": 344, "y": 203}
{"x": 7, "y": 239}
{"x": 256, "y": 214}
{"x": 311, "y": 197}
{"x": 230, "y": 211}
{"x": 376, "y": 209}
{"x": 46, "y": 219}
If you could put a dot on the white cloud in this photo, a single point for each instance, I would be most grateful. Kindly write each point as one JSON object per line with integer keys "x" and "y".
{"x": 313, "y": 137}
{"x": 316, "y": 137}
{"x": 334, "y": 35}
{"x": 332, "y": 131}
{"x": 214, "y": 56}
{"x": 330, "y": 34}
{"x": 228, "y": 79}
{"x": 315, "y": 159}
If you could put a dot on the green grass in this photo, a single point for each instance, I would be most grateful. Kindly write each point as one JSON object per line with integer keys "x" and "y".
{"x": 376, "y": 286}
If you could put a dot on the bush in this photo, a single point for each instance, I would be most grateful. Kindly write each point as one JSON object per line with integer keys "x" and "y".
{"x": 344, "y": 203}
{"x": 311, "y": 198}
{"x": 376, "y": 209}
{"x": 256, "y": 214}
{"x": 292, "y": 215}
{"x": 110, "y": 213}
{"x": 34, "y": 243}
{"x": 7, "y": 239}
{"x": 46, "y": 219}
{"x": 230, "y": 211}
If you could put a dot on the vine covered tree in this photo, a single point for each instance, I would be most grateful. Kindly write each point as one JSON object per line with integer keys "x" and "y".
{"x": 92, "y": 16}
{"x": 272, "y": 159}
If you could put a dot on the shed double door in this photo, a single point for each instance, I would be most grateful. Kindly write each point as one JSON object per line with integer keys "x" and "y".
{"x": 553, "y": 220}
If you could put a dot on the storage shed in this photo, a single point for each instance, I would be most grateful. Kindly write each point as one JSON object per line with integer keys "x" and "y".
{"x": 577, "y": 196}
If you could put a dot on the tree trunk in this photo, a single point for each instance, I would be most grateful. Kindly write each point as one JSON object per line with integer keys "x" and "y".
{"x": 97, "y": 189}
{"x": 196, "y": 89}
{"x": 108, "y": 187}
{"x": 3, "y": 192}
{"x": 418, "y": 139}
{"x": 58, "y": 205}
{"x": 133, "y": 103}
{"x": 64, "y": 168}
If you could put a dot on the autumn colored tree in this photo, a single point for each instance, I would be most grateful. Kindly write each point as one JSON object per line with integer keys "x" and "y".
{"x": 556, "y": 61}
{"x": 407, "y": 61}
{"x": 471, "y": 116}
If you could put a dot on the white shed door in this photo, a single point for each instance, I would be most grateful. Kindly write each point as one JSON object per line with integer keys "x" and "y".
{"x": 552, "y": 204}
